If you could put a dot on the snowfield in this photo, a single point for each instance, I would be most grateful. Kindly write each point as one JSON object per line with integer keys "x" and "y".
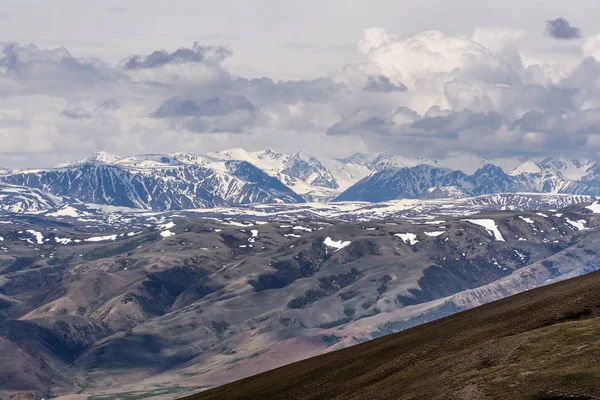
{"x": 337, "y": 245}
{"x": 490, "y": 225}
{"x": 408, "y": 238}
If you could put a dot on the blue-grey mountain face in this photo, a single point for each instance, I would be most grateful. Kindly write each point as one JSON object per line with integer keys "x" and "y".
{"x": 409, "y": 183}
{"x": 186, "y": 181}
{"x": 309, "y": 170}
{"x": 166, "y": 188}
{"x": 491, "y": 179}
{"x": 17, "y": 199}
{"x": 427, "y": 182}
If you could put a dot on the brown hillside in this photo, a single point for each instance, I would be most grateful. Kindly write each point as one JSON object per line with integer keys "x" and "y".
{"x": 541, "y": 344}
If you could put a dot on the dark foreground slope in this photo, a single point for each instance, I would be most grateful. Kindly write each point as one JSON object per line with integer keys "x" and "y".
{"x": 541, "y": 344}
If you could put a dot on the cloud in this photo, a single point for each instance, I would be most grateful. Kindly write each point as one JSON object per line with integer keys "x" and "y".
{"x": 118, "y": 10}
{"x": 560, "y": 28}
{"x": 267, "y": 90}
{"x": 216, "y": 106}
{"x": 429, "y": 94}
{"x": 87, "y": 110}
{"x": 29, "y": 69}
{"x": 382, "y": 84}
{"x": 160, "y": 58}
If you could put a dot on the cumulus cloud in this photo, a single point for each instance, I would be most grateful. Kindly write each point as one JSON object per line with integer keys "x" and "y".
{"x": 560, "y": 28}
{"x": 591, "y": 47}
{"x": 478, "y": 94}
{"x": 429, "y": 94}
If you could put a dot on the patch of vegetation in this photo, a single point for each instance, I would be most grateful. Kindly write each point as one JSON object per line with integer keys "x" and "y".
{"x": 349, "y": 312}
{"x": 20, "y": 264}
{"x": 348, "y": 295}
{"x": 4, "y": 304}
{"x": 589, "y": 252}
{"x": 574, "y": 315}
{"x": 450, "y": 277}
{"x": 286, "y": 272}
{"x": 333, "y": 283}
{"x": 328, "y": 285}
{"x": 371, "y": 313}
{"x": 383, "y": 287}
{"x": 367, "y": 303}
{"x": 572, "y": 255}
{"x": 220, "y": 327}
{"x": 330, "y": 340}
{"x": 309, "y": 297}
{"x": 333, "y": 324}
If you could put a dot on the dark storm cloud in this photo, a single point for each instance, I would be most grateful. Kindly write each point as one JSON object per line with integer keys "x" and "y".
{"x": 215, "y": 106}
{"x": 382, "y": 84}
{"x": 160, "y": 58}
{"x": 560, "y": 28}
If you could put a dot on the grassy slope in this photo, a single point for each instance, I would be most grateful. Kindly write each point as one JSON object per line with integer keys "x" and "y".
{"x": 542, "y": 344}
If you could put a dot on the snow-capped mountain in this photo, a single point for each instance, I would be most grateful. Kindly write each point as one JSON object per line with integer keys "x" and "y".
{"x": 19, "y": 199}
{"x": 158, "y": 183}
{"x": 395, "y": 183}
{"x": 302, "y": 172}
{"x": 548, "y": 175}
{"x": 99, "y": 157}
{"x": 445, "y": 192}
{"x": 181, "y": 180}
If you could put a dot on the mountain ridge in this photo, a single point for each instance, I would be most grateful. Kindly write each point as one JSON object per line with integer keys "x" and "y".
{"x": 181, "y": 180}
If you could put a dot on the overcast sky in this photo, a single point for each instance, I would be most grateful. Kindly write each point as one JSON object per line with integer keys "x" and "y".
{"x": 427, "y": 78}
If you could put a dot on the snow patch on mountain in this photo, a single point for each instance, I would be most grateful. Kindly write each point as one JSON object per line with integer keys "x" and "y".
{"x": 489, "y": 225}
{"x": 336, "y": 244}
{"x": 39, "y": 237}
{"x": 435, "y": 233}
{"x": 594, "y": 207}
{"x": 408, "y": 238}
{"x": 101, "y": 238}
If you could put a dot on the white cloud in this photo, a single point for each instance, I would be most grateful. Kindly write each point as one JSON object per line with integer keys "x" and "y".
{"x": 431, "y": 93}
{"x": 591, "y": 47}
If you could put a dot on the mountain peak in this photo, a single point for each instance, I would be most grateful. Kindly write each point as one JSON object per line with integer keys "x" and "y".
{"x": 528, "y": 167}
{"x": 103, "y": 157}
{"x": 100, "y": 157}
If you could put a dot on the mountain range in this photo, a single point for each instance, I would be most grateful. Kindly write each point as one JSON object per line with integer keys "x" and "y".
{"x": 178, "y": 181}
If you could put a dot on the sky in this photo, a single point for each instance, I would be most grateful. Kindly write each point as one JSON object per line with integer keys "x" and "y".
{"x": 426, "y": 78}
